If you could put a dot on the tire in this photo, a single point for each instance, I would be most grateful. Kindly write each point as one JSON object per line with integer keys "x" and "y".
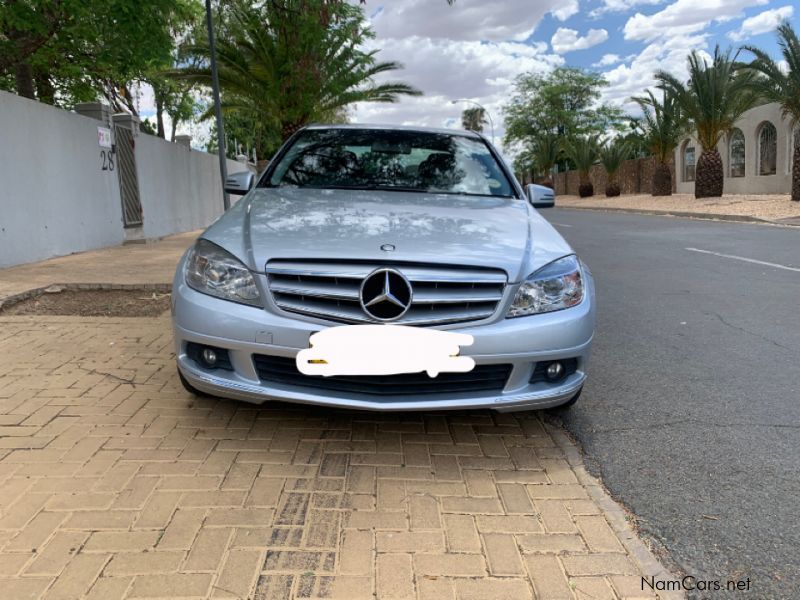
{"x": 569, "y": 403}
{"x": 190, "y": 388}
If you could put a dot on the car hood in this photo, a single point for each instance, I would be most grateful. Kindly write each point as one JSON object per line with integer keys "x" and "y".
{"x": 296, "y": 223}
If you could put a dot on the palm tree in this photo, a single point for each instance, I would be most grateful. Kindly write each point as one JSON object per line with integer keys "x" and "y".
{"x": 775, "y": 85}
{"x": 473, "y": 119}
{"x": 583, "y": 152}
{"x": 612, "y": 154}
{"x": 546, "y": 150}
{"x": 294, "y": 62}
{"x": 713, "y": 99}
{"x": 664, "y": 125}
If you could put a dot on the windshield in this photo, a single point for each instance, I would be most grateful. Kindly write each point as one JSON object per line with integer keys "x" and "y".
{"x": 413, "y": 161}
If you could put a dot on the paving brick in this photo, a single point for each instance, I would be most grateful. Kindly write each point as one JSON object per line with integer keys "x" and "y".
{"x": 599, "y": 564}
{"x": 121, "y": 541}
{"x": 274, "y": 587}
{"x": 549, "y": 579}
{"x": 424, "y": 512}
{"x": 395, "y": 578}
{"x": 110, "y": 588}
{"x": 239, "y": 517}
{"x": 507, "y": 524}
{"x": 462, "y": 535}
{"x": 36, "y": 532}
{"x": 515, "y": 498}
{"x": 487, "y": 506}
{"x": 356, "y": 555}
{"x": 496, "y": 589}
{"x": 239, "y": 574}
{"x": 182, "y": 529}
{"x": 175, "y": 585}
{"x": 480, "y": 483}
{"x": 598, "y": 534}
{"x": 364, "y": 519}
{"x": 502, "y": 554}
{"x": 144, "y": 563}
{"x": 207, "y": 550}
{"x": 415, "y": 541}
{"x": 77, "y": 577}
{"x": 28, "y": 588}
{"x": 555, "y": 517}
{"x": 61, "y": 548}
{"x": 450, "y": 565}
{"x": 556, "y": 543}
{"x": 592, "y": 587}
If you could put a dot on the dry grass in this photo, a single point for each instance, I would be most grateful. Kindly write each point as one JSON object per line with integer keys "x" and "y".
{"x": 771, "y": 207}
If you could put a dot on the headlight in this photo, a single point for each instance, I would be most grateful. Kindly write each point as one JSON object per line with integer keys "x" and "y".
{"x": 213, "y": 271}
{"x": 555, "y": 286}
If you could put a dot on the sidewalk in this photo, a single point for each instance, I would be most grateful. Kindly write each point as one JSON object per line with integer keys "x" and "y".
{"x": 130, "y": 264}
{"x": 116, "y": 483}
{"x": 776, "y": 209}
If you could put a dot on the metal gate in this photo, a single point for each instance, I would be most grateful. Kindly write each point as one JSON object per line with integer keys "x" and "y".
{"x": 128, "y": 182}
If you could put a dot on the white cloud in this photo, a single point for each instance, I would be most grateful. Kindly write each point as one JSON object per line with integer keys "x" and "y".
{"x": 567, "y": 40}
{"x": 668, "y": 55}
{"x": 566, "y": 10}
{"x": 608, "y": 60}
{"x": 466, "y": 19}
{"x": 621, "y": 6}
{"x": 684, "y": 17}
{"x": 761, "y": 23}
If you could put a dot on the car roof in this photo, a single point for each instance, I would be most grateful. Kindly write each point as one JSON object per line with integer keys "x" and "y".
{"x": 382, "y": 127}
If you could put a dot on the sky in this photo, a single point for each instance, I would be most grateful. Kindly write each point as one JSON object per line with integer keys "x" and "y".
{"x": 474, "y": 49}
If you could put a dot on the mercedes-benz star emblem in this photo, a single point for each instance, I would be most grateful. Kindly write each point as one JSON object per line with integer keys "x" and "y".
{"x": 385, "y": 294}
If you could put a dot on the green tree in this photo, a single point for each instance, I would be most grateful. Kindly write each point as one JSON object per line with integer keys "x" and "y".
{"x": 473, "y": 119}
{"x": 583, "y": 151}
{"x": 612, "y": 154}
{"x": 66, "y": 51}
{"x": 776, "y": 85}
{"x": 288, "y": 63}
{"x": 565, "y": 102}
{"x": 716, "y": 95}
{"x": 664, "y": 126}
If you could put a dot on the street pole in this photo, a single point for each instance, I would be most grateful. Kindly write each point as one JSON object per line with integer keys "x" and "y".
{"x": 223, "y": 167}
{"x": 483, "y": 108}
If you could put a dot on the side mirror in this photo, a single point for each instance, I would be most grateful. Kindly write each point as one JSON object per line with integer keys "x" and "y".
{"x": 239, "y": 183}
{"x": 540, "y": 196}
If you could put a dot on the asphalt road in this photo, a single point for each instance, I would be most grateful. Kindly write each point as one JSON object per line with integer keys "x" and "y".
{"x": 691, "y": 414}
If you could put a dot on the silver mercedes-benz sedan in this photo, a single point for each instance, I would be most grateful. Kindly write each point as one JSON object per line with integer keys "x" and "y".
{"x": 411, "y": 228}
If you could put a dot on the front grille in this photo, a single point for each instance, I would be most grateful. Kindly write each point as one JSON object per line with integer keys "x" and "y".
{"x": 330, "y": 290}
{"x": 483, "y": 378}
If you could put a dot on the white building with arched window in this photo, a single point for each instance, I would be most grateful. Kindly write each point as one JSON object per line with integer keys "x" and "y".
{"x": 756, "y": 154}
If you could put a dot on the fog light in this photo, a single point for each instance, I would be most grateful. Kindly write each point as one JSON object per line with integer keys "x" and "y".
{"x": 209, "y": 357}
{"x": 554, "y": 371}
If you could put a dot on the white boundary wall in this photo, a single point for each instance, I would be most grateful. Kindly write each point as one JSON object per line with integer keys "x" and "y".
{"x": 751, "y": 183}
{"x": 55, "y": 199}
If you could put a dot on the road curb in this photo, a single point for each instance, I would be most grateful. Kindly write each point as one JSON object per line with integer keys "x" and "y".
{"x": 614, "y": 514}
{"x": 681, "y": 214}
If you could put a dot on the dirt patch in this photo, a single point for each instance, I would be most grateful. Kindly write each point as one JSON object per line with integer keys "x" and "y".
{"x": 92, "y": 303}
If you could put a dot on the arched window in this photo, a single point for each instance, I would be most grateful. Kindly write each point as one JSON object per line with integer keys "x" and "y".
{"x": 689, "y": 161}
{"x": 736, "y": 153}
{"x": 767, "y": 149}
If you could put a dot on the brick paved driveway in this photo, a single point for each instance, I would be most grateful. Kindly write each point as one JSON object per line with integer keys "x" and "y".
{"x": 115, "y": 483}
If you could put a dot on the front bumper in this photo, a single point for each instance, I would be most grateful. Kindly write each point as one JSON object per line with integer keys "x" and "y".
{"x": 245, "y": 331}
